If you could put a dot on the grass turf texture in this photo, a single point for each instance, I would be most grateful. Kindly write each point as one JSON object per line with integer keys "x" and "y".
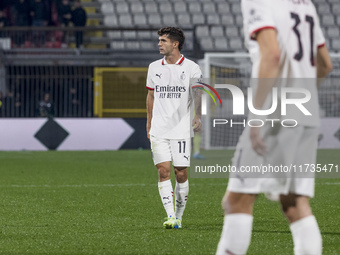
{"x": 108, "y": 203}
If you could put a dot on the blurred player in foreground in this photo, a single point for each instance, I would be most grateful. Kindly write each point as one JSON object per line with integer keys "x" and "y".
{"x": 285, "y": 41}
{"x": 169, "y": 125}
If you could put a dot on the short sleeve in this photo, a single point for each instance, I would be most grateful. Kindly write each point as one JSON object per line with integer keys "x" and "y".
{"x": 196, "y": 72}
{"x": 319, "y": 37}
{"x": 256, "y": 16}
{"x": 149, "y": 82}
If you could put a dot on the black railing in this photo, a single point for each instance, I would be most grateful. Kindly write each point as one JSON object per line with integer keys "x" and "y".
{"x": 143, "y": 39}
{"x": 45, "y": 60}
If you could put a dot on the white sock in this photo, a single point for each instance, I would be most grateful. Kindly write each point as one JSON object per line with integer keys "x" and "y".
{"x": 167, "y": 194}
{"x": 306, "y": 236}
{"x": 236, "y": 234}
{"x": 181, "y": 195}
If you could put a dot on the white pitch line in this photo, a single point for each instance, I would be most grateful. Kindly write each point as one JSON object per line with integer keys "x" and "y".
{"x": 120, "y": 185}
{"x": 73, "y": 185}
{"x": 94, "y": 185}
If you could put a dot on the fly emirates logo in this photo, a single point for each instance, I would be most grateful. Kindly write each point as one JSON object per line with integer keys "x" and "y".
{"x": 170, "y": 91}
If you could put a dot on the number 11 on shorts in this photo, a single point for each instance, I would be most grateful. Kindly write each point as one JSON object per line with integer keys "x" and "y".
{"x": 181, "y": 146}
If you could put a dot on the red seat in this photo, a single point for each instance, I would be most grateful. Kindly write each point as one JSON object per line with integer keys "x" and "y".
{"x": 57, "y": 44}
{"x": 58, "y": 35}
{"x": 49, "y": 44}
{"x": 28, "y": 44}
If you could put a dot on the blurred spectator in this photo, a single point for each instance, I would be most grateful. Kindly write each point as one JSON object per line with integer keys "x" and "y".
{"x": 46, "y": 108}
{"x": 79, "y": 19}
{"x": 39, "y": 13}
{"x": 5, "y": 8}
{"x": 39, "y": 19}
{"x": 18, "y": 106}
{"x": 3, "y": 19}
{"x": 23, "y": 15}
{"x": 1, "y": 103}
{"x": 48, "y": 5}
{"x": 3, "y": 23}
{"x": 74, "y": 103}
{"x": 23, "y": 20}
{"x": 8, "y": 104}
{"x": 64, "y": 16}
{"x": 64, "y": 12}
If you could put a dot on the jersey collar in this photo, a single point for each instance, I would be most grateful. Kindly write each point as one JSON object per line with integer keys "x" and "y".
{"x": 180, "y": 61}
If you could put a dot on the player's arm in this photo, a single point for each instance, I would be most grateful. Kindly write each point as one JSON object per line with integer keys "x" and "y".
{"x": 269, "y": 68}
{"x": 269, "y": 64}
{"x": 196, "y": 122}
{"x": 149, "y": 108}
{"x": 323, "y": 63}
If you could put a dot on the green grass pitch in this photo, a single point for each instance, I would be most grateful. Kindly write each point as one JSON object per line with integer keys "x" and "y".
{"x": 108, "y": 203}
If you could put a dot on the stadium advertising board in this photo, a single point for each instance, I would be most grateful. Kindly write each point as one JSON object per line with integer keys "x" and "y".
{"x": 64, "y": 134}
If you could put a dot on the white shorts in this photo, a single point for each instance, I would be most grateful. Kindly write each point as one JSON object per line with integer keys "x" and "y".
{"x": 175, "y": 150}
{"x": 286, "y": 147}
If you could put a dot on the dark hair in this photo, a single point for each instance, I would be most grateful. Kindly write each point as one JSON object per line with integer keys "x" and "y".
{"x": 174, "y": 34}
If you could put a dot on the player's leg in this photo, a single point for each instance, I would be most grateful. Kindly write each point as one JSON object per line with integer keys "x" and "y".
{"x": 305, "y": 231}
{"x": 238, "y": 221}
{"x": 181, "y": 192}
{"x": 162, "y": 157}
{"x": 166, "y": 193}
{"x": 165, "y": 187}
{"x": 239, "y": 200}
{"x": 180, "y": 151}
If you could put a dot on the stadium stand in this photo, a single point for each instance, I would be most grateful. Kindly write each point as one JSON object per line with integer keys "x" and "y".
{"x": 116, "y": 30}
{"x": 210, "y": 21}
{"x": 216, "y": 15}
{"x": 221, "y": 18}
{"x": 189, "y": 14}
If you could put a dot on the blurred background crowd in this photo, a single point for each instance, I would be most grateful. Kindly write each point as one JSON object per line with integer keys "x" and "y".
{"x": 42, "y": 13}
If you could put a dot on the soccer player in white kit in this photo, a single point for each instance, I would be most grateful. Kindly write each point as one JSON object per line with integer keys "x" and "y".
{"x": 284, "y": 40}
{"x": 169, "y": 125}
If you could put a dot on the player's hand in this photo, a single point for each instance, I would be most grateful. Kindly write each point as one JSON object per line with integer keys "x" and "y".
{"x": 257, "y": 142}
{"x": 148, "y": 127}
{"x": 197, "y": 124}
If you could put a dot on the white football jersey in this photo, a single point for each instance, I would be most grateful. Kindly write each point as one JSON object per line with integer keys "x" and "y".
{"x": 172, "y": 97}
{"x": 298, "y": 34}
